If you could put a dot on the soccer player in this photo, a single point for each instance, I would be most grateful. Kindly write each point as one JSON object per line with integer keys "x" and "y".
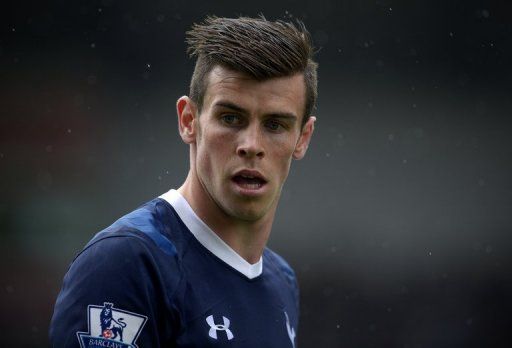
{"x": 190, "y": 268}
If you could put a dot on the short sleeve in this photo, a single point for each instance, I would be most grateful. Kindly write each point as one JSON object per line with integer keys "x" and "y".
{"x": 115, "y": 291}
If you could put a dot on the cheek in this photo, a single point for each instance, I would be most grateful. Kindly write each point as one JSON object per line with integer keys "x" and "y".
{"x": 282, "y": 152}
{"x": 287, "y": 145}
{"x": 213, "y": 150}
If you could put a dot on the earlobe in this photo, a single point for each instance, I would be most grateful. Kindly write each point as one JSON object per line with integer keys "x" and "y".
{"x": 304, "y": 139}
{"x": 186, "y": 110}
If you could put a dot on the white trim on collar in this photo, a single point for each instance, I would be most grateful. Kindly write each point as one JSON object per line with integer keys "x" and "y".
{"x": 209, "y": 239}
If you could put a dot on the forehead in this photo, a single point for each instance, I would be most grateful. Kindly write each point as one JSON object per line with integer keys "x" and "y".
{"x": 279, "y": 94}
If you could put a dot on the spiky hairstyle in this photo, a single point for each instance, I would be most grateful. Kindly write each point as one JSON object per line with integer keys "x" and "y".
{"x": 257, "y": 47}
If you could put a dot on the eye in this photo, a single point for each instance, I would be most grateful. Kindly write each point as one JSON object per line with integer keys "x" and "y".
{"x": 230, "y": 119}
{"x": 274, "y": 125}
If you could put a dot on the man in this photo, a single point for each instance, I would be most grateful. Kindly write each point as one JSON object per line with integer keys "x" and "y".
{"x": 190, "y": 268}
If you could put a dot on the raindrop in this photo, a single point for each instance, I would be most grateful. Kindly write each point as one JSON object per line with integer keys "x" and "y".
{"x": 93, "y": 45}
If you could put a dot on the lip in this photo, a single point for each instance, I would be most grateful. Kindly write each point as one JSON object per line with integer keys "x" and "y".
{"x": 247, "y": 190}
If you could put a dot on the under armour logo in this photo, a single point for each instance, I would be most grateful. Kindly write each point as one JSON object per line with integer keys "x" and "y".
{"x": 290, "y": 329}
{"x": 219, "y": 327}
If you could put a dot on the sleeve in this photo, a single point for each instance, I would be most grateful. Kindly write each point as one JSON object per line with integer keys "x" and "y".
{"x": 114, "y": 291}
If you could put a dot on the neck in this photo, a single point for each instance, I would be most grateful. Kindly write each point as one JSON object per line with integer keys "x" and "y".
{"x": 246, "y": 238}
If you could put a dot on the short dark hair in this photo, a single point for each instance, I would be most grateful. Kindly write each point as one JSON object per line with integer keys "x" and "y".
{"x": 260, "y": 48}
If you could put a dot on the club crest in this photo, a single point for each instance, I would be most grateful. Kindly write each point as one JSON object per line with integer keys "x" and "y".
{"x": 111, "y": 327}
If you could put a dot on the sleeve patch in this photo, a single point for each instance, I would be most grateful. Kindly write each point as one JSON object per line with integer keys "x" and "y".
{"x": 111, "y": 327}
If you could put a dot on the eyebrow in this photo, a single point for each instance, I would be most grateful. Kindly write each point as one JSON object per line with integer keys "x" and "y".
{"x": 237, "y": 108}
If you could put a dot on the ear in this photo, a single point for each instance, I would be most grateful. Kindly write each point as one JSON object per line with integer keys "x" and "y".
{"x": 302, "y": 144}
{"x": 187, "y": 119}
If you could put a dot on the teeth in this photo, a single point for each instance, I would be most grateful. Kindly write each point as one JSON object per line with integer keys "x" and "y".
{"x": 248, "y": 176}
{"x": 252, "y": 186}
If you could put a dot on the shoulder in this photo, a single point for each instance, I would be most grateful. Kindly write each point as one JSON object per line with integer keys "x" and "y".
{"x": 133, "y": 265}
{"x": 152, "y": 227}
{"x": 279, "y": 266}
{"x": 136, "y": 245}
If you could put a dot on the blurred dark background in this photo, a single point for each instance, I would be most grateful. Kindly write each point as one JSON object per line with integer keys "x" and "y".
{"x": 398, "y": 220}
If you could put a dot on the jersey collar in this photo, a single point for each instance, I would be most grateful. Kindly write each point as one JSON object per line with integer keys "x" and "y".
{"x": 209, "y": 239}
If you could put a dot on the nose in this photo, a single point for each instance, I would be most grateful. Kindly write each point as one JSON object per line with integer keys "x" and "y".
{"x": 250, "y": 144}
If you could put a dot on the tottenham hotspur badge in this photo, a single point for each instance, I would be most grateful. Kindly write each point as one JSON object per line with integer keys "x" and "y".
{"x": 111, "y": 327}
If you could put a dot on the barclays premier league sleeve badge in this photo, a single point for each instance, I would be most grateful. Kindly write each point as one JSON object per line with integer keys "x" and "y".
{"x": 111, "y": 327}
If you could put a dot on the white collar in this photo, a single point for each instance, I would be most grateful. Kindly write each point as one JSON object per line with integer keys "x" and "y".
{"x": 209, "y": 239}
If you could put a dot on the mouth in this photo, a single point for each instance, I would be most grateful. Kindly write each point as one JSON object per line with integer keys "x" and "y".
{"x": 250, "y": 180}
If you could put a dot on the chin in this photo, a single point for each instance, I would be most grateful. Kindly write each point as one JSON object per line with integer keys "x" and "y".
{"x": 247, "y": 214}
{"x": 246, "y": 208}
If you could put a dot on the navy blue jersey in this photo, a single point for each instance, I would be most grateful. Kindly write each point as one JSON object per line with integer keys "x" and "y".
{"x": 158, "y": 277}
